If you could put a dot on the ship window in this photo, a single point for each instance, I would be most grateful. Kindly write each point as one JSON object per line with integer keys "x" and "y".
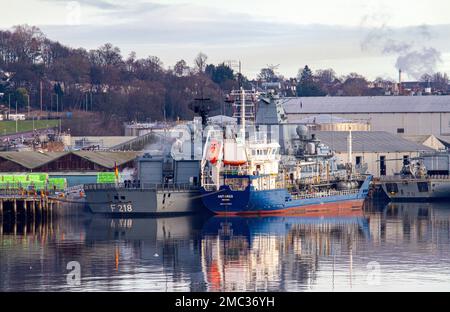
{"x": 422, "y": 186}
{"x": 237, "y": 184}
{"x": 116, "y": 197}
{"x": 405, "y": 160}
{"x": 392, "y": 187}
{"x": 382, "y": 165}
{"x": 122, "y": 197}
{"x": 400, "y": 130}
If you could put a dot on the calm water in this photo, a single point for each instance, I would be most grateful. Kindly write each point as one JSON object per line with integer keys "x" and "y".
{"x": 393, "y": 247}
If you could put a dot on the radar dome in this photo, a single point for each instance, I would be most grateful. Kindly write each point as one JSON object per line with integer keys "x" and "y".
{"x": 302, "y": 131}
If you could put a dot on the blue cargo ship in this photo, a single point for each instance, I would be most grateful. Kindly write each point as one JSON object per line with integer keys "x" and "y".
{"x": 243, "y": 175}
{"x": 278, "y": 201}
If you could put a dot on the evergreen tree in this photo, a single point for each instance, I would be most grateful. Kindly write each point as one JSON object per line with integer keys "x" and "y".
{"x": 307, "y": 86}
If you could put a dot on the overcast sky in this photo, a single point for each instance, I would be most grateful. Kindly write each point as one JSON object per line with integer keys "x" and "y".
{"x": 373, "y": 38}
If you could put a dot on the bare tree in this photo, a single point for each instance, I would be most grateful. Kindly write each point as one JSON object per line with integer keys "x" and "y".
{"x": 355, "y": 85}
{"x": 200, "y": 62}
{"x": 426, "y": 78}
{"x": 440, "y": 81}
{"x": 326, "y": 76}
{"x": 179, "y": 68}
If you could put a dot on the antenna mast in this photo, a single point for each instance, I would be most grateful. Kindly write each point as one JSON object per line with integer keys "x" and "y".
{"x": 350, "y": 156}
{"x": 243, "y": 115}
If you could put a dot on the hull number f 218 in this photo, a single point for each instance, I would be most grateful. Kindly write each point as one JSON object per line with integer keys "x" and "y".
{"x": 121, "y": 207}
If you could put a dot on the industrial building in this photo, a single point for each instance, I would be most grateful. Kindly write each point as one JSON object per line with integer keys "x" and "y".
{"x": 77, "y": 167}
{"x": 95, "y": 142}
{"x": 327, "y": 122}
{"x": 406, "y": 115}
{"x": 432, "y": 141}
{"x": 383, "y": 153}
{"x": 64, "y": 161}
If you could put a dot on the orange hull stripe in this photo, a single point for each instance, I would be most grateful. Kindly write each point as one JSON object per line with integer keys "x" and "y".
{"x": 345, "y": 208}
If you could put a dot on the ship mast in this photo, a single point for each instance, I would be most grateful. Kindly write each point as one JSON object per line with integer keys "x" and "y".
{"x": 243, "y": 115}
{"x": 350, "y": 152}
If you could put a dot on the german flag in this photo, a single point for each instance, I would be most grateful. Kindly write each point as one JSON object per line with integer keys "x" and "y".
{"x": 116, "y": 171}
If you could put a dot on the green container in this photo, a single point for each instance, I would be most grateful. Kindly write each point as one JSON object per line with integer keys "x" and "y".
{"x": 20, "y": 178}
{"x": 106, "y": 177}
{"x": 8, "y": 178}
{"x": 37, "y": 181}
{"x": 41, "y": 177}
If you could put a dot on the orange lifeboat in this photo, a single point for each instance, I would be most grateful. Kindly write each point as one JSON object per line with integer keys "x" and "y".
{"x": 234, "y": 162}
{"x": 213, "y": 153}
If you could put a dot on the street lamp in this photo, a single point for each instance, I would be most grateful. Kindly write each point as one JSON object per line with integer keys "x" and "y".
{"x": 17, "y": 126}
{"x": 28, "y": 101}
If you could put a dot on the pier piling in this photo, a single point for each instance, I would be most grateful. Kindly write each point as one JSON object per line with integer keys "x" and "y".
{"x": 27, "y": 206}
{"x": 15, "y": 208}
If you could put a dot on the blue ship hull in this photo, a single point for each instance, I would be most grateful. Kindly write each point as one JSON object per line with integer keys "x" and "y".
{"x": 234, "y": 226}
{"x": 277, "y": 201}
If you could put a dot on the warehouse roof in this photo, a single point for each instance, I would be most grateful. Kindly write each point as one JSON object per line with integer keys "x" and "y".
{"x": 369, "y": 141}
{"x": 323, "y": 119}
{"x": 417, "y": 138}
{"x": 222, "y": 119}
{"x": 444, "y": 140}
{"x": 107, "y": 159}
{"x": 103, "y": 141}
{"x": 32, "y": 160}
{"x": 366, "y": 104}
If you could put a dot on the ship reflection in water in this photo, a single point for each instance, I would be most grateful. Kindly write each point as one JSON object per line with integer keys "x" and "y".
{"x": 275, "y": 253}
{"x": 393, "y": 247}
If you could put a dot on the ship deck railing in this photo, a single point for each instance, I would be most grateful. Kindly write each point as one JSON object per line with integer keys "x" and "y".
{"x": 14, "y": 188}
{"x": 399, "y": 178}
{"x": 74, "y": 189}
{"x": 141, "y": 186}
{"x": 324, "y": 194}
{"x": 210, "y": 187}
{"x": 15, "y": 192}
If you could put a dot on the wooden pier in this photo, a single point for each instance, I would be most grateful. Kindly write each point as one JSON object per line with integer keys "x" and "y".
{"x": 25, "y": 226}
{"x": 27, "y": 205}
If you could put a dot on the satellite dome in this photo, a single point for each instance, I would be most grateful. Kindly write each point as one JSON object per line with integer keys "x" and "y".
{"x": 302, "y": 130}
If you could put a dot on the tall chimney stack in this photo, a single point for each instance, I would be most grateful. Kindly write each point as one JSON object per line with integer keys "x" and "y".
{"x": 399, "y": 81}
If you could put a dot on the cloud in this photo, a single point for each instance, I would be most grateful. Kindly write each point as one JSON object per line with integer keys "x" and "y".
{"x": 99, "y": 4}
{"x": 180, "y": 30}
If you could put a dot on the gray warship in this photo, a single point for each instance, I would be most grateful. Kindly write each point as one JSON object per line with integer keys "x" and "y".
{"x": 161, "y": 185}
{"x": 166, "y": 183}
{"x": 425, "y": 178}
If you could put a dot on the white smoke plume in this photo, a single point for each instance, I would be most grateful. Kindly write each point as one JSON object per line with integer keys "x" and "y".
{"x": 161, "y": 145}
{"x": 419, "y": 62}
{"x": 414, "y": 55}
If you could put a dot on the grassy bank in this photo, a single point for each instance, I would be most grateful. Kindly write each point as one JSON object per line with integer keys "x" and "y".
{"x": 9, "y": 126}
